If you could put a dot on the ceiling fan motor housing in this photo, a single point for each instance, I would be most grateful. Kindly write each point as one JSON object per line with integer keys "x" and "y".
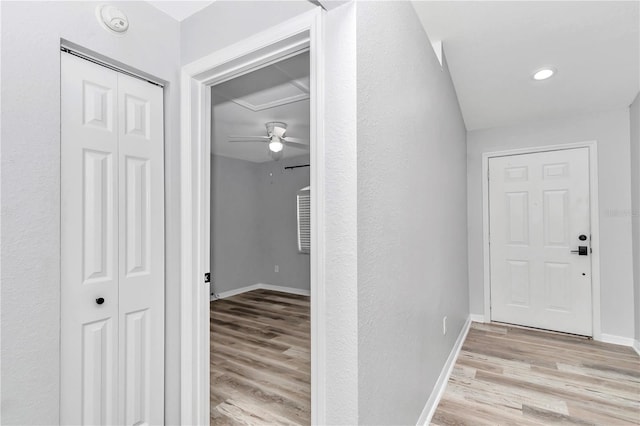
{"x": 277, "y": 128}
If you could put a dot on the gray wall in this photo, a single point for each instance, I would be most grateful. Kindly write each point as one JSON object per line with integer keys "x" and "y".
{"x": 277, "y": 230}
{"x": 254, "y": 224}
{"x": 30, "y": 186}
{"x": 412, "y": 219}
{"x": 235, "y": 254}
{"x": 634, "y": 112}
{"x": 611, "y": 131}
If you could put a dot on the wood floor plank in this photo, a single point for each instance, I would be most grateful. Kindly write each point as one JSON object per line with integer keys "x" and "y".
{"x": 260, "y": 359}
{"x": 511, "y": 375}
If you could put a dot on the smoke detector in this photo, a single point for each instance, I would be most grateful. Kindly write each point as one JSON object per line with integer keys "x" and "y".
{"x": 113, "y": 18}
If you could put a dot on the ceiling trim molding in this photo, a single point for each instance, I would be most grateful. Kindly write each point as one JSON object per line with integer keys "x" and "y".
{"x": 267, "y": 105}
{"x": 294, "y": 81}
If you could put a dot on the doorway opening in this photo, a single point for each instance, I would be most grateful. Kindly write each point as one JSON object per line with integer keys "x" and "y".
{"x": 541, "y": 238}
{"x": 288, "y": 39}
{"x": 260, "y": 233}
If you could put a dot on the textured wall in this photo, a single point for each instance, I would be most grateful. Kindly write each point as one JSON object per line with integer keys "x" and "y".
{"x": 412, "y": 219}
{"x": 30, "y": 183}
{"x": 611, "y": 130}
{"x": 31, "y": 33}
{"x": 341, "y": 244}
{"x": 226, "y": 22}
{"x": 634, "y": 112}
{"x": 254, "y": 223}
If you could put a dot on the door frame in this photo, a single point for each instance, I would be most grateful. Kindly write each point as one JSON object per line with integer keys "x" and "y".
{"x": 295, "y": 35}
{"x": 594, "y": 213}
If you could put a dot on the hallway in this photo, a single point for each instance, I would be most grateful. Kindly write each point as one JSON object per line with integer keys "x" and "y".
{"x": 509, "y": 375}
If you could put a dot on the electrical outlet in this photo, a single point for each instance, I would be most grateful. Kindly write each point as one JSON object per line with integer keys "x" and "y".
{"x": 276, "y": 268}
{"x": 444, "y": 326}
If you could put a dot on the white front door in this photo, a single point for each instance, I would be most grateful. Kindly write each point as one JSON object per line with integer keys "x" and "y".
{"x": 539, "y": 218}
{"x": 112, "y": 231}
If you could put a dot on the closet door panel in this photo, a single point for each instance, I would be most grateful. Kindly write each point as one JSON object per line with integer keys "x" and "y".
{"x": 89, "y": 243}
{"x": 141, "y": 254}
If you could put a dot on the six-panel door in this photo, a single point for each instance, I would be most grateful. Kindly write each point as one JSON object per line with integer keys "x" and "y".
{"x": 112, "y": 296}
{"x": 539, "y": 209}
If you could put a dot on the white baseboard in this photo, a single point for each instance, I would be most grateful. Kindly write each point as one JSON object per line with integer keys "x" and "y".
{"x": 477, "y": 317}
{"x": 236, "y": 291}
{"x": 438, "y": 390}
{"x": 261, "y": 286}
{"x": 290, "y": 290}
{"x": 636, "y": 346}
{"x": 617, "y": 340}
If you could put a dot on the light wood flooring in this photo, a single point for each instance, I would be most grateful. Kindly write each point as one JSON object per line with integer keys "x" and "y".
{"x": 260, "y": 359}
{"x": 513, "y": 376}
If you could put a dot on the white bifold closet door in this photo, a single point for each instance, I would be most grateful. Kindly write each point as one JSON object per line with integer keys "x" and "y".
{"x": 112, "y": 231}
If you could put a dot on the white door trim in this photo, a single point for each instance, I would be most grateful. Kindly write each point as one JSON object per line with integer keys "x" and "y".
{"x": 302, "y": 32}
{"x": 595, "y": 222}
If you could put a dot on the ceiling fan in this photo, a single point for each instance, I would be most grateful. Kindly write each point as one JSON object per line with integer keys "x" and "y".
{"x": 275, "y": 138}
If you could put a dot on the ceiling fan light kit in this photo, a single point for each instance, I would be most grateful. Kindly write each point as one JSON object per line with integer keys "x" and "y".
{"x": 275, "y": 155}
{"x": 275, "y": 145}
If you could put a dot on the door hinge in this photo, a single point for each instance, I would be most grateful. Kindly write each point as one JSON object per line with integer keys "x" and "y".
{"x": 207, "y": 277}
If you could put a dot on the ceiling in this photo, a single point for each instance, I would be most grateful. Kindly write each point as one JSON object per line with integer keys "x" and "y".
{"x": 493, "y": 48}
{"x": 242, "y": 106}
{"x": 180, "y": 10}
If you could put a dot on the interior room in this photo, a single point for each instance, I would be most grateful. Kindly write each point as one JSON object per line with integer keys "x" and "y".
{"x": 327, "y": 212}
{"x": 260, "y": 223}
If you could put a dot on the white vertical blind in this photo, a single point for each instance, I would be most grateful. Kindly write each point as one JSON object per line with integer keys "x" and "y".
{"x": 304, "y": 220}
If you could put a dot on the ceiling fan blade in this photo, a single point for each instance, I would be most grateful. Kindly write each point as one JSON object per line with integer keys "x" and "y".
{"x": 296, "y": 140}
{"x": 296, "y": 144}
{"x": 244, "y": 137}
{"x": 248, "y": 140}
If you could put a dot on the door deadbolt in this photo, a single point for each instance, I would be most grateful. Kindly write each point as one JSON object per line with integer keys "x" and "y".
{"x": 582, "y": 237}
{"x": 100, "y": 300}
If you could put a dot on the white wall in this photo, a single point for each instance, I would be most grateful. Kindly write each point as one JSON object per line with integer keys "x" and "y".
{"x": 412, "y": 263}
{"x": 634, "y": 115}
{"x": 229, "y": 21}
{"x": 224, "y": 23}
{"x": 30, "y": 185}
{"x": 254, "y": 223}
{"x": 341, "y": 226}
{"x": 611, "y": 131}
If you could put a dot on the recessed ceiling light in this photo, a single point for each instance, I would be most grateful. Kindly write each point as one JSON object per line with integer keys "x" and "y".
{"x": 543, "y": 73}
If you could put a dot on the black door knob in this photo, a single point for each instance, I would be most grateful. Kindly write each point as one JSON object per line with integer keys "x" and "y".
{"x": 100, "y": 300}
{"x": 582, "y": 251}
